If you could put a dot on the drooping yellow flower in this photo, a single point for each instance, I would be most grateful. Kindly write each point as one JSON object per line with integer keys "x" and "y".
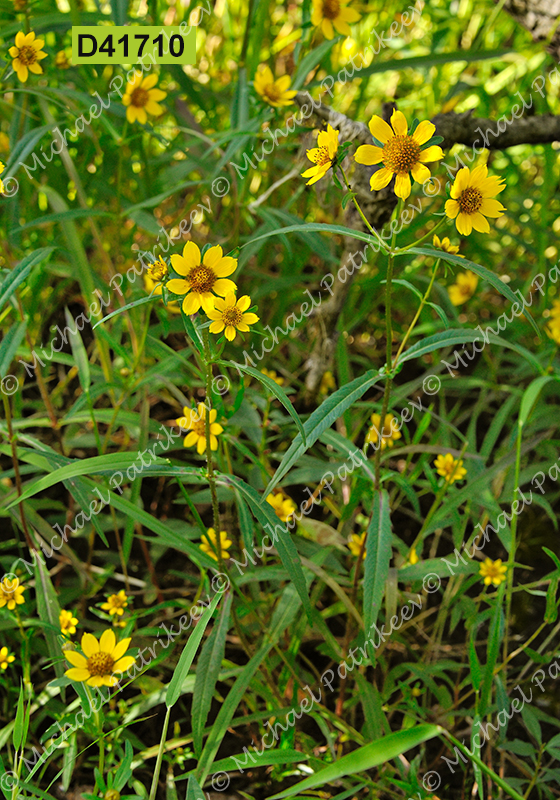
{"x": 327, "y": 383}
{"x": 101, "y": 660}
{"x": 472, "y": 200}
{"x": 355, "y": 543}
{"x": 209, "y": 544}
{"x": 67, "y": 622}
{"x": 323, "y": 156}
{"x": 413, "y": 557}
{"x": 271, "y": 373}
{"x": 153, "y": 286}
{"x": 400, "y": 153}
{"x": 388, "y": 435}
{"x": 282, "y": 505}
{"x": 202, "y": 276}
{"x": 11, "y": 593}
{"x": 116, "y": 603}
{"x": 464, "y": 289}
{"x": 493, "y": 571}
{"x": 450, "y": 468}
{"x": 158, "y": 270}
{"x": 141, "y": 98}
{"x": 332, "y": 15}
{"x": 61, "y": 60}
{"x": 2, "y": 168}
{"x": 445, "y": 245}
{"x": 229, "y": 314}
{"x": 277, "y": 92}
{"x": 5, "y": 658}
{"x": 196, "y": 424}
{"x": 26, "y": 54}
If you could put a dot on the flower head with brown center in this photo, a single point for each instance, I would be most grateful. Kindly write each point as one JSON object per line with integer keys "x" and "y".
{"x": 402, "y": 154}
{"x": 141, "y": 98}
{"x": 11, "y": 592}
{"x": 282, "y": 505}
{"x": 464, "y": 289}
{"x": 332, "y": 15}
{"x": 67, "y": 622}
{"x": 472, "y": 200}
{"x": 116, "y": 603}
{"x": 5, "y": 658}
{"x": 196, "y": 424}
{"x": 209, "y": 544}
{"x": 445, "y": 245}
{"x": 355, "y": 543}
{"x": 229, "y": 314}
{"x": 26, "y": 54}
{"x": 202, "y": 275}
{"x": 493, "y": 572}
{"x": 450, "y": 468}
{"x": 101, "y": 660}
{"x": 276, "y": 93}
{"x": 388, "y": 435}
{"x": 323, "y": 156}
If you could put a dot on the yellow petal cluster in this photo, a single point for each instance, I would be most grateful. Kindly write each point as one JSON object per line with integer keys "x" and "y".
{"x": 450, "y": 468}
{"x": 195, "y": 423}
{"x": 141, "y": 98}
{"x": 275, "y": 92}
{"x": 26, "y": 54}
{"x": 493, "y": 572}
{"x": 101, "y": 660}
{"x": 209, "y": 544}
{"x": 472, "y": 200}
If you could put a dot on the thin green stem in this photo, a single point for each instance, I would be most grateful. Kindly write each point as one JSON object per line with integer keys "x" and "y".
{"x": 209, "y": 460}
{"x": 362, "y": 215}
{"x": 511, "y": 555}
{"x": 417, "y": 315}
{"x": 159, "y": 759}
{"x": 423, "y": 238}
{"x": 487, "y": 771}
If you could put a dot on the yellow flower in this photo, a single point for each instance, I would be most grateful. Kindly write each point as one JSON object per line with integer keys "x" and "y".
{"x": 196, "y": 424}
{"x": 158, "y": 270}
{"x": 464, "y": 289}
{"x": 229, "y": 314}
{"x": 11, "y": 593}
{"x": 153, "y": 287}
{"x": 270, "y": 373}
{"x": 323, "y": 156}
{"x": 388, "y": 434}
{"x": 67, "y": 622}
{"x": 116, "y": 603}
{"x": 2, "y": 168}
{"x": 355, "y": 543}
{"x": 555, "y": 310}
{"x": 4, "y": 143}
{"x": 327, "y": 383}
{"x": 282, "y": 505}
{"x": 413, "y": 557}
{"x": 5, "y": 658}
{"x": 329, "y": 14}
{"x": 400, "y": 153}
{"x": 209, "y": 544}
{"x": 553, "y": 331}
{"x": 26, "y": 54}
{"x": 493, "y": 571}
{"x": 277, "y": 92}
{"x": 450, "y": 468}
{"x": 100, "y": 660}
{"x": 202, "y": 276}
{"x": 61, "y": 60}
{"x": 445, "y": 245}
{"x": 140, "y": 98}
{"x": 472, "y": 200}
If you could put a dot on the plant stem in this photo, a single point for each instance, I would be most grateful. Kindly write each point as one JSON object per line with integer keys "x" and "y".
{"x": 362, "y": 215}
{"x": 157, "y": 768}
{"x": 423, "y": 238}
{"x": 209, "y": 461}
{"x": 422, "y": 304}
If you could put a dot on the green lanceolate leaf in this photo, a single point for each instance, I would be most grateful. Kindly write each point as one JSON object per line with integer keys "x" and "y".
{"x": 49, "y": 612}
{"x": 272, "y": 386}
{"x": 364, "y": 758}
{"x": 21, "y": 272}
{"x": 322, "y": 418}
{"x": 378, "y": 557}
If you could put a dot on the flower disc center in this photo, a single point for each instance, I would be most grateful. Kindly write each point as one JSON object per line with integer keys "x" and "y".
{"x": 139, "y": 97}
{"x": 100, "y": 664}
{"x": 272, "y": 93}
{"x": 470, "y": 200}
{"x": 331, "y": 9}
{"x": 323, "y": 156}
{"x": 199, "y": 427}
{"x": 201, "y": 279}
{"x": 401, "y": 153}
{"x": 27, "y": 55}
{"x": 232, "y": 316}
